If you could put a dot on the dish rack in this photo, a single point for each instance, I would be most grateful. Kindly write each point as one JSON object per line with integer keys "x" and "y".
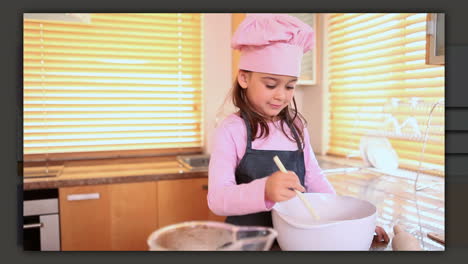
{"x": 406, "y": 128}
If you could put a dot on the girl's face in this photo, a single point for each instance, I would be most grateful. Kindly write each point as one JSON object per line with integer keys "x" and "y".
{"x": 268, "y": 93}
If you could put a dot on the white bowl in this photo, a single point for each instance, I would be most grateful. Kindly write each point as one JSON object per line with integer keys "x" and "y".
{"x": 345, "y": 223}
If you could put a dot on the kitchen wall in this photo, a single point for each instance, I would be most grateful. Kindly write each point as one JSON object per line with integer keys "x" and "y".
{"x": 218, "y": 75}
{"x": 314, "y": 98}
{"x": 217, "y": 70}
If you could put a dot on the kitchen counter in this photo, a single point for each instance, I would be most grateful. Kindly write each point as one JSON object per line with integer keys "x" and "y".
{"x": 419, "y": 212}
{"x": 122, "y": 170}
{"x": 108, "y": 171}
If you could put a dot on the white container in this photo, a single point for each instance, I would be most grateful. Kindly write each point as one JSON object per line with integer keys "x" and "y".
{"x": 345, "y": 223}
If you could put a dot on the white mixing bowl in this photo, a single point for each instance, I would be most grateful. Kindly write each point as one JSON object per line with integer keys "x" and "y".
{"x": 345, "y": 223}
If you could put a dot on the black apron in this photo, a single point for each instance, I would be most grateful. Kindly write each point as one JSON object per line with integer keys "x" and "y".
{"x": 257, "y": 164}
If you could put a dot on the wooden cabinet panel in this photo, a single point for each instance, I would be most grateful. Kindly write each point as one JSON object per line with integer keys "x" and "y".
{"x": 108, "y": 217}
{"x": 134, "y": 215}
{"x": 122, "y": 216}
{"x": 183, "y": 200}
{"x": 84, "y": 223}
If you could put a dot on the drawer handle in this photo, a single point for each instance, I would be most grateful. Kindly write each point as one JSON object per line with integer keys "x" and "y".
{"x": 205, "y": 187}
{"x": 85, "y": 196}
{"x": 29, "y": 226}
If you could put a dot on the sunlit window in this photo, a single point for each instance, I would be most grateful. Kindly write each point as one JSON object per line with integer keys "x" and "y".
{"x": 377, "y": 61}
{"x": 123, "y": 83}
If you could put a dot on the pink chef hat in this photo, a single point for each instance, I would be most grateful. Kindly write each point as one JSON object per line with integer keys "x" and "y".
{"x": 272, "y": 43}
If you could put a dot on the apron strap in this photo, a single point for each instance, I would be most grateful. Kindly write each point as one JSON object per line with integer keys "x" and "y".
{"x": 249, "y": 132}
{"x": 296, "y": 136}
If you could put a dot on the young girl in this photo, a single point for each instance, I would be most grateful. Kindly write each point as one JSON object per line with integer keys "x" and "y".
{"x": 244, "y": 181}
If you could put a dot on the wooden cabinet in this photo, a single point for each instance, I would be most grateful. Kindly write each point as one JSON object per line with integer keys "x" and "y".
{"x": 184, "y": 200}
{"x": 122, "y": 216}
{"x": 108, "y": 217}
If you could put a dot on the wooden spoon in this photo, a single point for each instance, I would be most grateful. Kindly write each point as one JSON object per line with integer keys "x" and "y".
{"x": 303, "y": 199}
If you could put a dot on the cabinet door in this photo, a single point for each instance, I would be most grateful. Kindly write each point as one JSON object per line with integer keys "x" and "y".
{"x": 108, "y": 217}
{"x": 183, "y": 200}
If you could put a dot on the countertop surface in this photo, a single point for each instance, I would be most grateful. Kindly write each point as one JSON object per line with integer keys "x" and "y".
{"x": 107, "y": 171}
{"x": 121, "y": 170}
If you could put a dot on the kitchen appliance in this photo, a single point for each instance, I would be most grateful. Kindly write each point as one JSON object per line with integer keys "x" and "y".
{"x": 41, "y": 228}
{"x": 211, "y": 235}
{"x": 346, "y": 223}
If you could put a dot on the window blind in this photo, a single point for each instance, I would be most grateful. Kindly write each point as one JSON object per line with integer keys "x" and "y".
{"x": 123, "y": 84}
{"x": 379, "y": 83}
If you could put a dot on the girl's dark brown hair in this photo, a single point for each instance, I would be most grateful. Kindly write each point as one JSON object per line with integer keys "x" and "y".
{"x": 289, "y": 116}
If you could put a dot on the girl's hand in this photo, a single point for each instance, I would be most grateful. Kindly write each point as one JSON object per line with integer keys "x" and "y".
{"x": 278, "y": 186}
{"x": 381, "y": 235}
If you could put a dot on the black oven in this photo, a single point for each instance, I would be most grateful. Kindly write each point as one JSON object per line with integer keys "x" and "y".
{"x": 41, "y": 225}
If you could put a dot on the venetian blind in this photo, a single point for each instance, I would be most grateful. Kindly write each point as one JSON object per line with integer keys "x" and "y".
{"x": 123, "y": 84}
{"x": 379, "y": 83}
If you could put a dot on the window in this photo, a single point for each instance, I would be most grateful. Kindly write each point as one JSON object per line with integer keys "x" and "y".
{"x": 120, "y": 85}
{"x": 374, "y": 59}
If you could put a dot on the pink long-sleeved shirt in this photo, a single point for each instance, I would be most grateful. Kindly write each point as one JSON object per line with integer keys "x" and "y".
{"x": 225, "y": 196}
